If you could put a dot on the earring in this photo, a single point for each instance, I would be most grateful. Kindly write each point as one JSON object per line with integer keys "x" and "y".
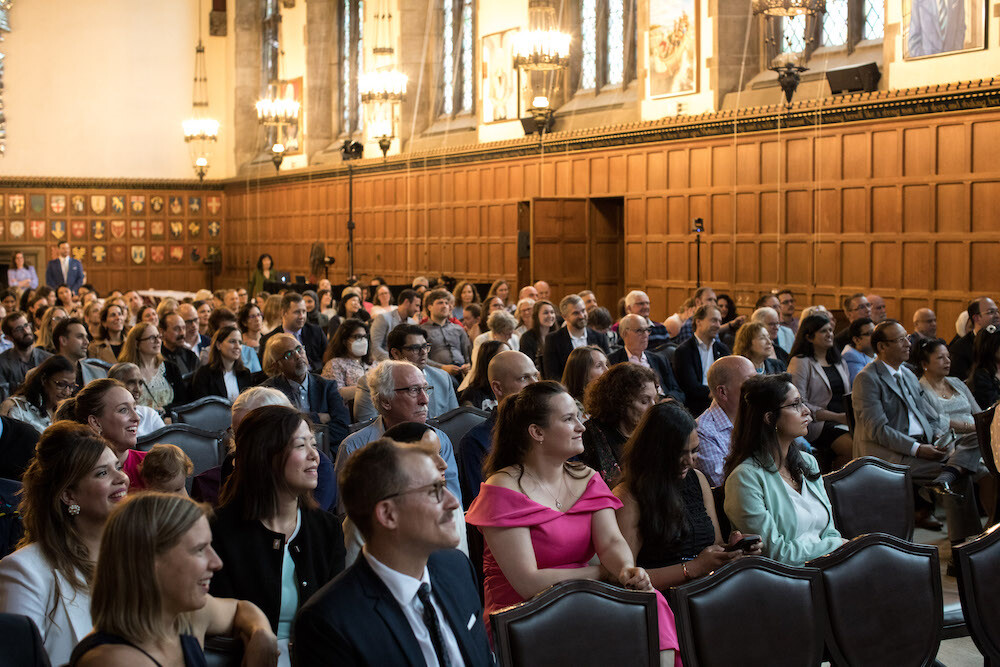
{"x": 73, "y": 509}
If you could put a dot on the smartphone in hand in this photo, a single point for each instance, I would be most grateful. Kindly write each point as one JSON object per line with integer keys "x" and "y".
{"x": 745, "y": 544}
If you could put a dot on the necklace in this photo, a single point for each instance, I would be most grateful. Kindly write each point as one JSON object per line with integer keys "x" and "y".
{"x": 545, "y": 488}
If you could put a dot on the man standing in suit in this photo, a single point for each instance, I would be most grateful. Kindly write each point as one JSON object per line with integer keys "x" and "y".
{"x": 982, "y": 313}
{"x": 286, "y": 364}
{"x": 64, "y": 270}
{"x": 559, "y": 344}
{"x": 695, "y": 356}
{"x": 895, "y": 422}
{"x": 411, "y": 598}
{"x": 293, "y": 321}
{"x": 634, "y": 332}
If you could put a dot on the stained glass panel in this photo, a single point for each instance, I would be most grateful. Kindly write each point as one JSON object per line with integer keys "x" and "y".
{"x": 793, "y": 34}
{"x": 874, "y": 19}
{"x": 448, "y": 57}
{"x": 588, "y": 44}
{"x": 467, "y": 68}
{"x": 345, "y": 81}
{"x": 616, "y": 41}
{"x": 835, "y": 23}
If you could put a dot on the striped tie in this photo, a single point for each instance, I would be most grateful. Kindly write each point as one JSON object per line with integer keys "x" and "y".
{"x": 943, "y": 16}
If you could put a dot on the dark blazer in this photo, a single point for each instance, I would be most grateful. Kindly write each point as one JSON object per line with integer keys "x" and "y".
{"x": 74, "y": 277}
{"x": 961, "y": 357}
{"x": 557, "y": 348}
{"x": 252, "y": 556}
{"x": 186, "y": 360}
{"x": 687, "y": 368}
{"x": 528, "y": 345}
{"x": 664, "y": 375}
{"x": 324, "y": 396}
{"x": 313, "y": 340}
{"x": 354, "y": 620}
{"x": 985, "y": 387}
{"x": 173, "y": 375}
{"x": 17, "y": 447}
{"x": 208, "y": 382}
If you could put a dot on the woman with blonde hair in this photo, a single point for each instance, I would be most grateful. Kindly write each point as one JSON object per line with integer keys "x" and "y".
{"x": 159, "y": 376}
{"x": 69, "y": 490}
{"x": 272, "y": 314}
{"x": 150, "y": 597}
{"x": 50, "y": 319}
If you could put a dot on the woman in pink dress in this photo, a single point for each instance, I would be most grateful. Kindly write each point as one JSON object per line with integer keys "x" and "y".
{"x": 543, "y": 516}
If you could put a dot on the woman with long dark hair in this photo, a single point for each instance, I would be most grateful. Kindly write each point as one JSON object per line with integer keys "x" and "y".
{"x": 667, "y": 514}
{"x": 110, "y": 338}
{"x": 478, "y": 393}
{"x": 543, "y": 516}
{"x": 348, "y": 356}
{"x": 543, "y": 322}
{"x": 584, "y": 365}
{"x": 35, "y": 401}
{"x": 773, "y": 488}
{"x": 224, "y": 375}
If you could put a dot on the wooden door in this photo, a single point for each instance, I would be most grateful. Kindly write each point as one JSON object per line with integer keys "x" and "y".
{"x": 559, "y": 245}
{"x": 606, "y": 263}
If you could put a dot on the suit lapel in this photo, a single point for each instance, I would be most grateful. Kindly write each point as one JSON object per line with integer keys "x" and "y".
{"x": 891, "y": 382}
{"x": 453, "y": 611}
{"x": 388, "y": 609}
{"x": 818, "y": 369}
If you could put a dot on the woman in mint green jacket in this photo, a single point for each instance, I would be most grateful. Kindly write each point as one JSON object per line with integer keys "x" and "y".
{"x": 773, "y": 489}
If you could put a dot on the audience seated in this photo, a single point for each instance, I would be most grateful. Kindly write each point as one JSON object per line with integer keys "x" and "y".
{"x": 695, "y": 356}
{"x": 855, "y": 306}
{"x": 781, "y": 337}
{"x": 522, "y": 315}
{"x": 35, "y": 402}
{"x": 895, "y": 421}
{"x": 348, "y": 356}
{"x": 951, "y": 397}
{"x": 250, "y": 320}
{"x": 193, "y": 339}
{"x": 635, "y": 334}
{"x": 786, "y": 301}
{"x": 129, "y": 375}
{"x": 924, "y": 326}
{"x": 773, "y": 489}
{"x": 984, "y": 374}
{"x": 561, "y": 342}
{"x": 404, "y": 313}
{"x": 224, "y": 375}
{"x": 293, "y": 322}
{"x": 753, "y": 341}
{"x": 615, "y": 402}
{"x": 858, "y": 353}
{"x": 715, "y": 425}
{"x": 426, "y": 608}
{"x": 543, "y": 516}
{"x": 69, "y": 489}
{"x": 69, "y": 339}
{"x": 224, "y": 317}
{"x": 821, "y": 378}
{"x": 703, "y": 296}
{"x": 110, "y": 338}
{"x": 166, "y": 469}
{"x": 23, "y": 356}
{"x": 51, "y": 316}
{"x": 408, "y": 342}
{"x": 168, "y": 537}
{"x": 727, "y": 308}
{"x": 675, "y": 321}
{"x": 162, "y": 385}
{"x": 509, "y": 372}
{"x": 637, "y": 303}
{"x": 543, "y": 322}
{"x": 174, "y": 349}
{"x": 667, "y": 515}
{"x": 267, "y": 505}
{"x": 400, "y": 393}
{"x": 878, "y": 307}
{"x": 585, "y": 364}
{"x": 477, "y": 392}
{"x": 451, "y": 349}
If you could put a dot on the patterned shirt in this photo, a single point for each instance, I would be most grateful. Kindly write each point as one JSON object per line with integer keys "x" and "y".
{"x": 449, "y": 342}
{"x": 686, "y": 331}
{"x": 715, "y": 432}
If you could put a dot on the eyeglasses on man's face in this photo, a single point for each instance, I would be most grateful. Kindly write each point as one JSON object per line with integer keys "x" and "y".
{"x": 413, "y": 391}
{"x": 425, "y": 347}
{"x": 298, "y": 349}
{"x": 436, "y": 490}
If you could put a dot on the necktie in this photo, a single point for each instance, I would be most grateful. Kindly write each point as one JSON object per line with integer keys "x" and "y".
{"x": 433, "y": 625}
{"x": 943, "y": 15}
{"x": 911, "y": 404}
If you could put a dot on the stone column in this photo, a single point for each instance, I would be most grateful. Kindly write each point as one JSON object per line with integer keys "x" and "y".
{"x": 321, "y": 69}
{"x": 248, "y": 141}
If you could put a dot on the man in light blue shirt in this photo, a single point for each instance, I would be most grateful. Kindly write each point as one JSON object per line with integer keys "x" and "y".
{"x": 858, "y": 353}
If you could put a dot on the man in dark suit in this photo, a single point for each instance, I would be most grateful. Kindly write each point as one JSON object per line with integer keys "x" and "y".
{"x": 410, "y": 598}
{"x": 982, "y": 313}
{"x": 293, "y": 321}
{"x": 173, "y": 331}
{"x": 64, "y": 270}
{"x": 559, "y": 344}
{"x": 286, "y": 364}
{"x": 634, "y": 332}
{"x": 694, "y": 356}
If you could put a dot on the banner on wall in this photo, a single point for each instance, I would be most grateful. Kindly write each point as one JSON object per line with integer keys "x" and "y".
{"x": 673, "y": 48}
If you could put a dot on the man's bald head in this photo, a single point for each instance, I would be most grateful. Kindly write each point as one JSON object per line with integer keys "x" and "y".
{"x": 509, "y": 372}
{"x": 543, "y": 289}
{"x": 725, "y": 377}
{"x": 528, "y": 292}
{"x": 925, "y": 322}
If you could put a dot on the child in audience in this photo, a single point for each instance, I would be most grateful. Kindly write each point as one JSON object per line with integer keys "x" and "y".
{"x": 166, "y": 468}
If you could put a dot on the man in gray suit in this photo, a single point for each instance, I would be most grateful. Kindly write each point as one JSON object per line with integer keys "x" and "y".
{"x": 936, "y": 26}
{"x": 896, "y": 423}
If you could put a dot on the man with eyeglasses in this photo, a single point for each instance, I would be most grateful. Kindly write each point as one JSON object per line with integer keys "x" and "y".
{"x": 896, "y": 422}
{"x": 22, "y": 357}
{"x": 982, "y": 313}
{"x": 193, "y": 339}
{"x": 634, "y": 331}
{"x": 293, "y": 322}
{"x": 408, "y": 342}
{"x": 70, "y": 340}
{"x": 288, "y": 370}
{"x": 786, "y": 310}
{"x": 400, "y": 393}
{"x": 855, "y": 306}
{"x": 411, "y": 598}
{"x": 637, "y": 303}
{"x": 382, "y": 324}
{"x": 173, "y": 328}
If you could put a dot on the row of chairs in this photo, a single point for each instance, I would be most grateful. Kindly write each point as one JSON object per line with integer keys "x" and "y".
{"x": 874, "y": 601}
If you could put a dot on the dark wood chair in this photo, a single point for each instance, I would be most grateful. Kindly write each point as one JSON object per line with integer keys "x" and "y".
{"x": 719, "y": 618}
{"x": 456, "y": 423}
{"x": 870, "y": 495}
{"x": 977, "y": 563}
{"x": 223, "y": 652}
{"x": 883, "y": 601}
{"x": 579, "y": 622}
{"x": 22, "y": 643}
{"x": 209, "y": 413}
{"x": 984, "y": 420}
{"x": 204, "y": 448}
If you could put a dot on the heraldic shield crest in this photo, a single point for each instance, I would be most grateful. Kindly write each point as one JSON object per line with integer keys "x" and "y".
{"x": 98, "y": 203}
{"x": 118, "y": 229}
{"x": 156, "y": 203}
{"x": 157, "y": 254}
{"x": 57, "y": 203}
{"x": 118, "y": 203}
{"x": 138, "y": 254}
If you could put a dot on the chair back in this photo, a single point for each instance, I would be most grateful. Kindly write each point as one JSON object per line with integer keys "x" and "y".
{"x": 870, "y": 495}
{"x": 456, "y": 423}
{"x": 222, "y": 651}
{"x": 976, "y": 565}
{"x": 884, "y": 604}
{"x": 100, "y": 363}
{"x": 714, "y": 613}
{"x": 610, "y": 626}
{"x": 984, "y": 421}
{"x": 203, "y": 447}
{"x": 849, "y": 412}
{"x": 22, "y": 643}
{"x": 211, "y": 413}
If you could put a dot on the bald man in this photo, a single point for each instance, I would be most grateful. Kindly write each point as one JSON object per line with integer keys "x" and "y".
{"x": 715, "y": 425}
{"x": 634, "y": 331}
{"x": 509, "y": 372}
{"x": 878, "y": 308}
{"x": 528, "y": 292}
{"x": 924, "y": 326}
{"x": 543, "y": 290}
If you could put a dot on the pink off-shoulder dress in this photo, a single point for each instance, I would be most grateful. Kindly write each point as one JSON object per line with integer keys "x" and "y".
{"x": 561, "y": 540}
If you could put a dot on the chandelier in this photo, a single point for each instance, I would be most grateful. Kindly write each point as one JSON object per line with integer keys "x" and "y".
{"x": 278, "y": 109}
{"x": 789, "y": 7}
{"x": 789, "y": 66}
{"x": 200, "y": 131}
{"x": 542, "y": 51}
{"x": 279, "y": 106}
{"x": 383, "y": 87}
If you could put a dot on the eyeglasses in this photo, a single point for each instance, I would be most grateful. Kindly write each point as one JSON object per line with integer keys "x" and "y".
{"x": 72, "y": 386}
{"x": 644, "y": 330}
{"x": 897, "y": 340}
{"x": 24, "y": 327}
{"x": 190, "y": 322}
{"x": 426, "y": 347}
{"x": 298, "y": 349}
{"x": 863, "y": 306}
{"x": 785, "y": 302}
{"x": 156, "y": 338}
{"x": 795, "y": 405}
{"x": 414, "y": 390}
{"x": 437, "y": 488}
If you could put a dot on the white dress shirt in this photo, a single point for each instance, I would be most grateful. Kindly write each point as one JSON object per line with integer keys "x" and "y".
{"x": 705, "y": 351}
{"x": 578, "y": 342}
{"x": 404, "y": 589}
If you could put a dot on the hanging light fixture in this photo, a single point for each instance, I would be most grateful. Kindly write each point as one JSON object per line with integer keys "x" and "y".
{"x": 200, "y": 132}
{"x": 788, "y": 65}
{"x": 277, "y": 109}
{"x": 383, "y": 87}
{"x": 542, "y": 51}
